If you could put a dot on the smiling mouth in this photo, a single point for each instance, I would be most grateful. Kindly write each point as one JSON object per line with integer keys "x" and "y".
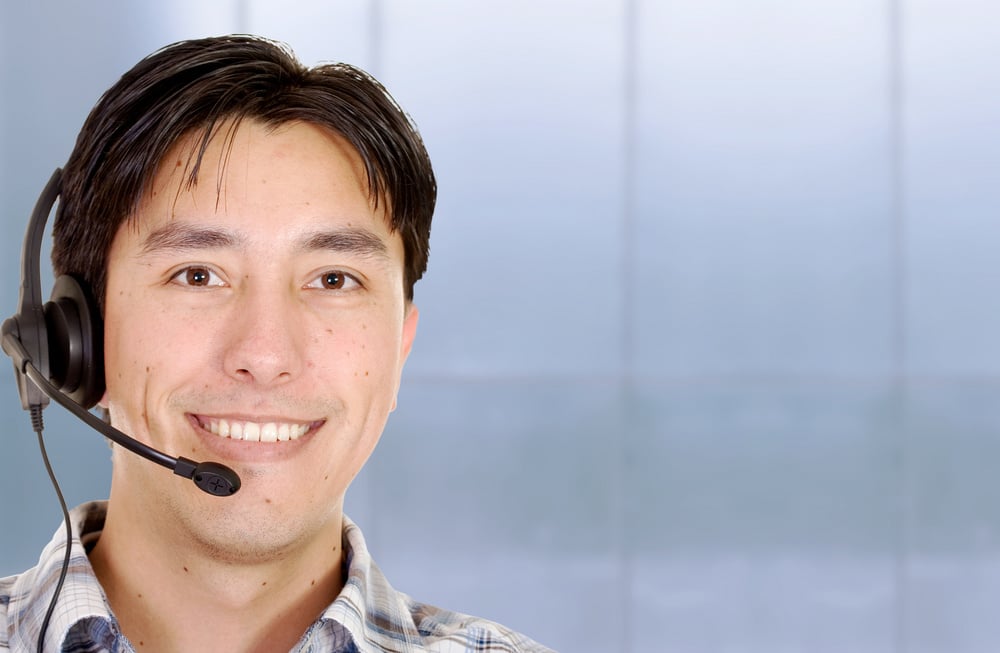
{"x": 250, "y": 431}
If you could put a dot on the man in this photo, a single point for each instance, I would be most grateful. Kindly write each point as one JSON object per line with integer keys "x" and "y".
{"x": 251, "y": 231}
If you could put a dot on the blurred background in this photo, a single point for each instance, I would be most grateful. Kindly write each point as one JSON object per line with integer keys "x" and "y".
{"x": 709, "y": 351}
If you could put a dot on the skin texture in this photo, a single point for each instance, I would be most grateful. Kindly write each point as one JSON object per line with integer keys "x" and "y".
{"x": 269, "y": 292}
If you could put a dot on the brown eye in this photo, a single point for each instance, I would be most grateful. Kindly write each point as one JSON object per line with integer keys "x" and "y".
{"x": 197, "y": 276}
{"x": 333, "y": 280}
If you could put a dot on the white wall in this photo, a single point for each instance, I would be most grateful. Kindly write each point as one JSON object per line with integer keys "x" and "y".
{"x": 708, "y": 356}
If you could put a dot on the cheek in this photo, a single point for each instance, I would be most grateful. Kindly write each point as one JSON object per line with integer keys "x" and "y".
{"x": 137, "y": 346}
{"x": 364, "y": 354}
{"x": 127, "y": 377}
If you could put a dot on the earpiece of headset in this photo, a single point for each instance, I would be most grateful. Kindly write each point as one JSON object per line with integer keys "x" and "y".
{"x": 63, "y": 337}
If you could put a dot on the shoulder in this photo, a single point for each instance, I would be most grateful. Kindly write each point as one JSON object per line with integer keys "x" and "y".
{"x": 6, "y": 587}
{"x": 453, "y": 632}
{"x": 19, "y": 606}
{"x": 380, "y": 617}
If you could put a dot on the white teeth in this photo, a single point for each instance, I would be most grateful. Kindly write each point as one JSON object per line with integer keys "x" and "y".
{"x": 251, "y": 432}
{"x": 254, "y": 432}
{"x": 269, "y": 432}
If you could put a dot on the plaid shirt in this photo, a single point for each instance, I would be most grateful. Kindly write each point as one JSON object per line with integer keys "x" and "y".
{"x": 368, "y": 616}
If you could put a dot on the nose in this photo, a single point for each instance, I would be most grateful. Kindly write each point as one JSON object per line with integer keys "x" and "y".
{"x": 265, "y": 340}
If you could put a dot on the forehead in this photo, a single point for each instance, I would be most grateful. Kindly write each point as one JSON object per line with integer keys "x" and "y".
{"x": 263, "y": 183}
{"x": 201, "y": 157}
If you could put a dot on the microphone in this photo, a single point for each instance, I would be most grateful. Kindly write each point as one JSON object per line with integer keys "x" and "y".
{"x": 57, "y": 349}
{"x": 214, "y": 478}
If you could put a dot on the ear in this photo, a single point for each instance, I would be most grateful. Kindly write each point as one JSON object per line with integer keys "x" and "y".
{"x": 410, "y": 319}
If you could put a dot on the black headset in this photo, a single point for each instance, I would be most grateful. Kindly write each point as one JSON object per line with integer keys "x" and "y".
{"x": 58, "y": 353}
{"x": 64, "y": 336}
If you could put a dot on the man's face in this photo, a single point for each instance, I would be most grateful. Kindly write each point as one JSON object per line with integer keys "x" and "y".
{"x": 256, "y": 319}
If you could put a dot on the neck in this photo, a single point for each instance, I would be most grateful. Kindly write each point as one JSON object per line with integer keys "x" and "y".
{"x": 171, "y": 592}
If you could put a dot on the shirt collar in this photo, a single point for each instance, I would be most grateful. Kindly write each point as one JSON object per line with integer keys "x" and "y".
{"x": 376, "y": 616}
{"x": 81, "y": 599}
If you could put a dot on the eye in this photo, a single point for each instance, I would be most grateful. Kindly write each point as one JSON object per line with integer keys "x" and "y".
{"x": 334, "y": 280}
{"x": 197, "y": 276}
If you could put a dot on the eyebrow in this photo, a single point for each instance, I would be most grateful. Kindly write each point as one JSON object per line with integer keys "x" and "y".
{"x": 350, "y": 240}
{"x": 180, "y": 236}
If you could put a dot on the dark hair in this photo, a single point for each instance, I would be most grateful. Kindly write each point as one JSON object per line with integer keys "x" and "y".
{"x": 204, "y": 84}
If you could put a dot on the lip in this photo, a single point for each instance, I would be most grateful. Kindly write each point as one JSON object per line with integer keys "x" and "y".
{"x": 241, "y": 450}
